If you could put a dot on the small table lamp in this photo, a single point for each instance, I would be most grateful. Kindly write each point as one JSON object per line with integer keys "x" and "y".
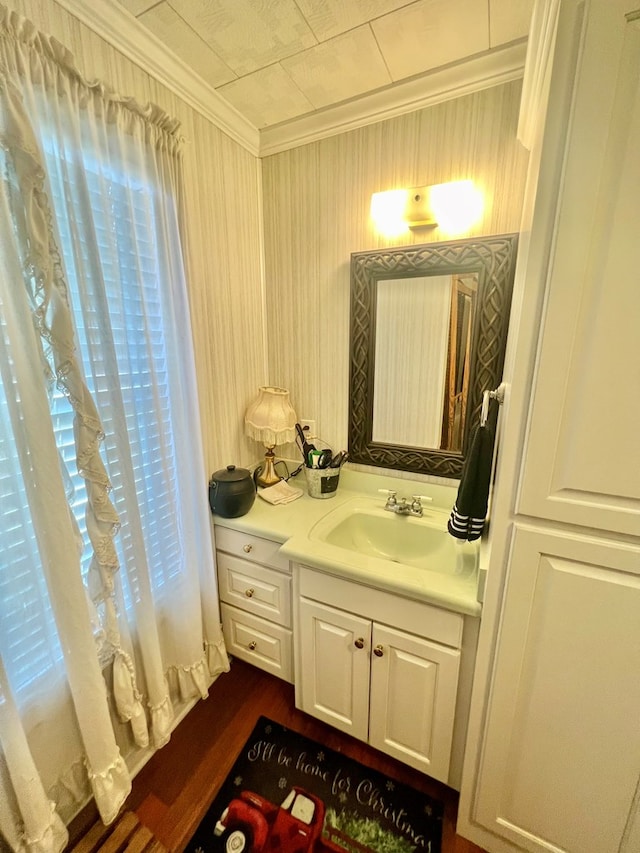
{"x": 270, "y": 418}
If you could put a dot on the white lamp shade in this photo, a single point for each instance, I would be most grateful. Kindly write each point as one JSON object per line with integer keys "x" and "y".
{"x": 270, "y": 418}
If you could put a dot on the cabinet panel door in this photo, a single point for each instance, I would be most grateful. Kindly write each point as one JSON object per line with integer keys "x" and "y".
{"x": 583, "y": 455}
{"x": 413, "y": 699}
{"x": 561, "y": 752}
{"x": 335, "y": 654}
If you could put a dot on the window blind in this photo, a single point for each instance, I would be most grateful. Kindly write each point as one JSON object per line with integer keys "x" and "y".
{"x": 27, "y": 630}
{"x": 113, "y": 284}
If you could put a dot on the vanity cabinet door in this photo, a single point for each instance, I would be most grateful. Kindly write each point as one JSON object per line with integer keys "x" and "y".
{"x": 334, "y": 651}
{"x": 381, "y": 685}
{"x": 414, "y": 685}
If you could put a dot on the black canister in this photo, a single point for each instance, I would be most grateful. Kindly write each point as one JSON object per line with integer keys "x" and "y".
{"x": 231, "y": 492}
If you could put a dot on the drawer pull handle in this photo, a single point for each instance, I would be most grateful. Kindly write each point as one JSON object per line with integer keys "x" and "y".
{"x": 247, "y": 549}
{"x": 359, "y": 643}
{"x": 249, "y": 592}
{"x": 378, "y": 651}
{"x": 252, "y": 646}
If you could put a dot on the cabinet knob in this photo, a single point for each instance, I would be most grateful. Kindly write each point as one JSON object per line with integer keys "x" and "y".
{"x": 378, "y": 651}
{"x": 249, "y": 592}
{"x": 252, "y": 646}
{"x": 359, "y": 643}
{"x": 247, "y": 549}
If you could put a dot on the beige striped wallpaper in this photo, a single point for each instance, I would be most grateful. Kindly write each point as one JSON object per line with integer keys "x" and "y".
{"x": 314, "y": 201}
{"x": 316, "y": 212}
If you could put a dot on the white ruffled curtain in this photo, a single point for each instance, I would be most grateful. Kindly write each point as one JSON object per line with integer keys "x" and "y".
{"x": 74, "y": 156}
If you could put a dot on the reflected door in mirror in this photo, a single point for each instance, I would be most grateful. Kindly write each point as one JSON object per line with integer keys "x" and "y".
{"x": 412, "y": 333}
{"x": 464, "y": 290}
{"x": 423, "y": 334}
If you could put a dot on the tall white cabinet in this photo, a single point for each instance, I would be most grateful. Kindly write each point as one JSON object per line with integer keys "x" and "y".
{"x": 553, "y": 753}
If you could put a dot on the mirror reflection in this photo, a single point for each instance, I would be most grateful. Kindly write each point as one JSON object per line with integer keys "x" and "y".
{"x": 423, "y": 335}
{"x": 428, "y": 333}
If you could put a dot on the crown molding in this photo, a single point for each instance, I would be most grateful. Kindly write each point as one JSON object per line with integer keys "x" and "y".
{"x": 480, "y": 72}
{"x": 119, "y": 28}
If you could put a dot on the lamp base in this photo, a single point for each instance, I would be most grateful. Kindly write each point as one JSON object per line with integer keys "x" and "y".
{"x": 268, "y": 477}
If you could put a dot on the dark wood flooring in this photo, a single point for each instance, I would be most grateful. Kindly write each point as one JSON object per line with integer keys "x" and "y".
{"x": 173, "y": 791}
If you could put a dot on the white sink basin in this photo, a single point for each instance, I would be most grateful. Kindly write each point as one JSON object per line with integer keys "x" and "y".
{"x": 364, "y": 527}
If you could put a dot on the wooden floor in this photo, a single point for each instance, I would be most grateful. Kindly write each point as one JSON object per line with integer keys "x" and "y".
{"x": 125, "y": 835}
{"x": 172, "y": 792}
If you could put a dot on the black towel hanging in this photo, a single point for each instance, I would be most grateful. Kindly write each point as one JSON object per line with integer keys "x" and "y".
{"x": 469, "y": 513}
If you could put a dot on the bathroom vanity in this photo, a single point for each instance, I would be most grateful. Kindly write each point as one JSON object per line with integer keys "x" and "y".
{"x": 254, "y": 582}
{"x": 376, "y": 631}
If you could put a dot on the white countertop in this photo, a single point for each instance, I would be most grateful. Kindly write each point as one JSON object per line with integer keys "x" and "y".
{"x": 291, "y": 524}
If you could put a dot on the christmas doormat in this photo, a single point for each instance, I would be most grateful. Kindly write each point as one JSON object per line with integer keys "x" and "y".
{"x": 289, "y": 794}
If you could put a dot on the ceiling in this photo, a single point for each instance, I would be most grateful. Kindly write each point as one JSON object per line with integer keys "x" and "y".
{"x": 276, "y": 61}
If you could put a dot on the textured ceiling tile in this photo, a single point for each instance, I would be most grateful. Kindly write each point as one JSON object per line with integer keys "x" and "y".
{"x": 137, "y": 7}
{"x": 248, "y": 35}
{"x": 179, "y": 37}
{"x": 267, "y": 96}
{"x": 328, "y": 18}
{"x": 509, "y": 20}
{"x": 346, "y": 66}
{"x": 430, "y": 33}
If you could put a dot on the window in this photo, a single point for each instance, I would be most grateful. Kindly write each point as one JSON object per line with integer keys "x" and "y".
{"x": 27, "y": 629}
{"x": 139, "y": 447}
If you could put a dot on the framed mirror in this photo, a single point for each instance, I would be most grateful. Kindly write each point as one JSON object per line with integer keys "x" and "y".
{"x": 428, "y": 334}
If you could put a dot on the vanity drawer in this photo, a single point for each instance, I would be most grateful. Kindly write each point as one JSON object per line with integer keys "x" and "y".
{"x": 252, "y": 548}
{"x": 257, "y": 641}
{"x": 256, "y": 589}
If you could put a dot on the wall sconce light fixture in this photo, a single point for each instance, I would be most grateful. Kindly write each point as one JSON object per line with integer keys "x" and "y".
{"x": 454, "y": 207}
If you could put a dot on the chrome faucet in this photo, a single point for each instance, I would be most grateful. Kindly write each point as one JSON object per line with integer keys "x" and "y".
{"x": 402, "y": 507}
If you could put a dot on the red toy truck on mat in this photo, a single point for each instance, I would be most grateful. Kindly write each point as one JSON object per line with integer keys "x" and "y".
{"x": 251, "y": 824}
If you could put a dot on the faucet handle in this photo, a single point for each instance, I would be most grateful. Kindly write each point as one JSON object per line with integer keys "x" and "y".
{"x": 416, "y": 505}
{"x": 391, "y": 493}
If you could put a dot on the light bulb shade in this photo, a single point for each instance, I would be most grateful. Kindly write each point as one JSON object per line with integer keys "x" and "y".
{"x": 387, "y": 212}
{"x": 270, "y": 418}
{"x": 455, "y": 206}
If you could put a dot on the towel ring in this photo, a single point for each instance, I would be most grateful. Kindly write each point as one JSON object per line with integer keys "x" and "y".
{"x": 487, "y": 396}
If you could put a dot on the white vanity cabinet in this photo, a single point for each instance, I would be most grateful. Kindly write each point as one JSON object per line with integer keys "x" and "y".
{"x": 382, "y": 668}
{"x": 254, "y": 582}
